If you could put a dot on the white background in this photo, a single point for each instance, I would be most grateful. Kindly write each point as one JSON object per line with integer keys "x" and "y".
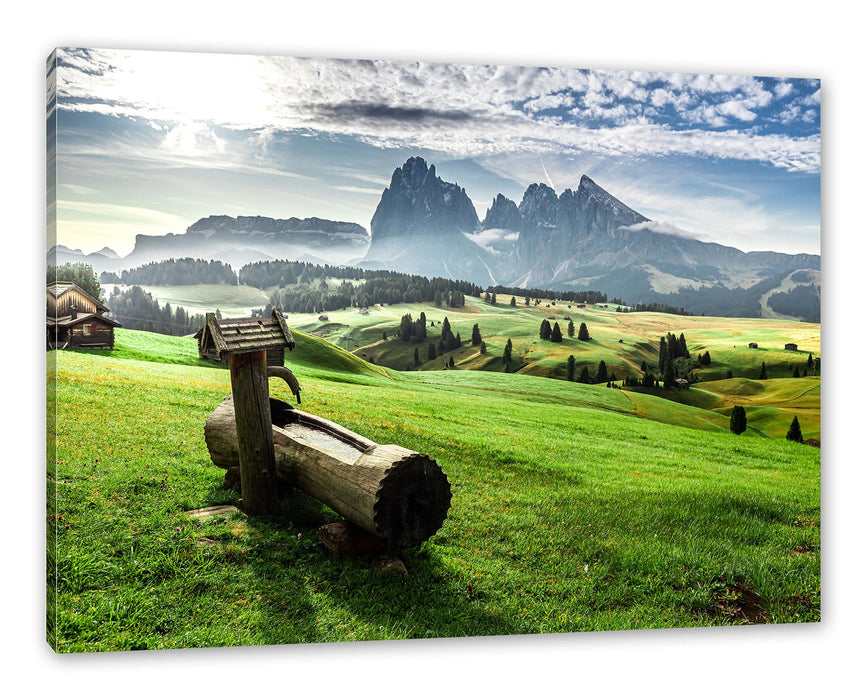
{"x": 796, "y": 40}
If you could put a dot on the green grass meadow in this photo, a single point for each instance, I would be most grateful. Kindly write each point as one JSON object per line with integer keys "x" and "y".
{"x": 575, "y": 507}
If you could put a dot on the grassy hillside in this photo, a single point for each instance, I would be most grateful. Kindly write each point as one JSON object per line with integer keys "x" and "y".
{"x": 570, "y": 511}
{"x": 725, "y": 339}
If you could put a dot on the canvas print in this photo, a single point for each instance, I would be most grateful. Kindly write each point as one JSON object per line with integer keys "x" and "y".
{"x": 345, "y": 350}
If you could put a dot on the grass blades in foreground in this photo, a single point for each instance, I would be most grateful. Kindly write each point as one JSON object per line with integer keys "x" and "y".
{"x": 568, "y": 514}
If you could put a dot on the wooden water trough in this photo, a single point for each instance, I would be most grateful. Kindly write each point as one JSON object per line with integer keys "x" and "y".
{"x": 390, "y": 491}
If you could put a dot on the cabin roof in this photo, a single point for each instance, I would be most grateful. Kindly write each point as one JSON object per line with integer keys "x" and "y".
{"x": 240, "y": 335}
{"x": 59, "y": 288}
{"x": 67, "y": 321}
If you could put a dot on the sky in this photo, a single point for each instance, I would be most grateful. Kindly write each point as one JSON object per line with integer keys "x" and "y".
{"x": 148, "y": 142}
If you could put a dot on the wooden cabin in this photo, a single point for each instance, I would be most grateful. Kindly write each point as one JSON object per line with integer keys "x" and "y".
{"x": 268, "y": 331}
{"x": 790, "y": 346}
{"x": 74, "y": 318}
{"x": 753, "y": 345}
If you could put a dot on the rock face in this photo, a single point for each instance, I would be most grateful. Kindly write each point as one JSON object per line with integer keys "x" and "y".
{"x": 243, "y": 239}
{"x": 421, "y": 226}
{"x": 555, "y": 230}
{"x": 580, "y": 239}
{"x": 502, "y": 214}
{"x": 419, "y": 202}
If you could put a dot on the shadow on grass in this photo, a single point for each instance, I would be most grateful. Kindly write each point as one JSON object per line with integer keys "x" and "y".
{"x": 311, "y": 596}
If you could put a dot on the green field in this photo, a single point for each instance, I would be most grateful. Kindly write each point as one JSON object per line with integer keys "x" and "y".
{"x": 575, "y": 507}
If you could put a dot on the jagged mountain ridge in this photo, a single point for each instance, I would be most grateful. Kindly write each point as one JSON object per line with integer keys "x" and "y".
{"x": 420, "y": 227}
{"x": 580, "y": 239}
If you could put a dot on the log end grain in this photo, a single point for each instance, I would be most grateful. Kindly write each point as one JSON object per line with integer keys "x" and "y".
{"x": 413, "y": 499}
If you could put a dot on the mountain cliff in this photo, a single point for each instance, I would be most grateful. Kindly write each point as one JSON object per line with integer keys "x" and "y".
{"x": 243, "y": 239}
{"x": 421, "y": 225}
{"x": 580, "y": 239}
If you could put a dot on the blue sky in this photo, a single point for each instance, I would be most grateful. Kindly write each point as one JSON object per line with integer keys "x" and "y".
{"x": 149, "y": 142}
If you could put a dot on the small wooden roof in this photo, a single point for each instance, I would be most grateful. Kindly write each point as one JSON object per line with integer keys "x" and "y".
{"x": 81, "y": 318}
{"x": 59, "y": 288}
{"x": 240, "y": 335}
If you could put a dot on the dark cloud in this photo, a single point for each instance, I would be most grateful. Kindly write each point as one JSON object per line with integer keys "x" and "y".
{"x": 352, "y": 110}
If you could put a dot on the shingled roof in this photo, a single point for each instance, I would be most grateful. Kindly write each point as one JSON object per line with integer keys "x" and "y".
{"x": 239, "y": 335}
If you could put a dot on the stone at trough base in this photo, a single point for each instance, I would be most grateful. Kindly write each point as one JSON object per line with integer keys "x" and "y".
{"x": 343, "y": 538}
{"x": 389, "y": 564}
{"x": 346, "y": 539}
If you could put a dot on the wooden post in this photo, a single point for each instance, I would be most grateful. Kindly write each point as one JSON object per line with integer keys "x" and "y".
{"x": 249, "y": 377}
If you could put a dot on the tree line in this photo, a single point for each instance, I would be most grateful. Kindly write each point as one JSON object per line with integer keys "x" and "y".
{"x": 136, "y": 309}
{"x": 181, "y": 271}
{"x": 582, "y": 297}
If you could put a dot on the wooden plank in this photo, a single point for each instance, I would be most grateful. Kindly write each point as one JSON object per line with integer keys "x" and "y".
{"x": 212, "y": 512}
{"x": 249, "y": 378}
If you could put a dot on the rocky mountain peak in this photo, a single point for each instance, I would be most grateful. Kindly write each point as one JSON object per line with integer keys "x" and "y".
{"x": 502, "y": 214}
{"x": 418, "y": 201}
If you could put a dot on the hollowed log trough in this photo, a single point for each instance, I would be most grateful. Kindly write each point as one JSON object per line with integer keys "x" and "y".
{"x": 390, "y": 491}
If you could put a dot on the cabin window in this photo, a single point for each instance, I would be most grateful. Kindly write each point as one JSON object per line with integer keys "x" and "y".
{"x": 85, "y": 329}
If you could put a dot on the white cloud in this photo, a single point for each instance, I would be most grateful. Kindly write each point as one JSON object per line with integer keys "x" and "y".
{"x": 783, "y": 89}
{"x": 461, "y": 110}
{"x": 549, "y": 102}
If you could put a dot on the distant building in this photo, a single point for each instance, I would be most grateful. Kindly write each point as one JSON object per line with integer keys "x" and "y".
{"x": 75, "y": 319}
{"x": 753, "y": 345}
{"x": 363, "y": 310}
{"x": 323, "y": 317}
{"x": 790, "y": 346}
{"x": 681, "y": 383}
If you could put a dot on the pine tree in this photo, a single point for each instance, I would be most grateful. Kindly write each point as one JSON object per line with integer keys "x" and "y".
{"x": 545, "y": 330}
{"x": 684, "y": 351}
{"x": 476, "y": 335}
{"x": 584, "y": 376}
{"x": 794, "y": 432}
{"x": 431, "y": 351}
{"x": 417, "y": 358}
{"x": 451, "y": 361}
{"x": 570, "y": 328}
{"x": 601, "y": 375}
{"x": 556, "y": 334}
{"x": 571, "y": 370}
{"x": 796, "y": 372}
{"x": 763, "y": 373}
{"x": 664, "y": 354}
{"x": 583, "y": 332}
{"x": 483, "y": 347}
{"x": 506, "y": 354}
{"x": 738, "y": 420}
{"x": 669, "y": 377}
{"x": 513, "y": 302}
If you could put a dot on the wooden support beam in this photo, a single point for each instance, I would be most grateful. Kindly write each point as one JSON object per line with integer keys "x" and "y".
{"x": 249, "y": 377}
